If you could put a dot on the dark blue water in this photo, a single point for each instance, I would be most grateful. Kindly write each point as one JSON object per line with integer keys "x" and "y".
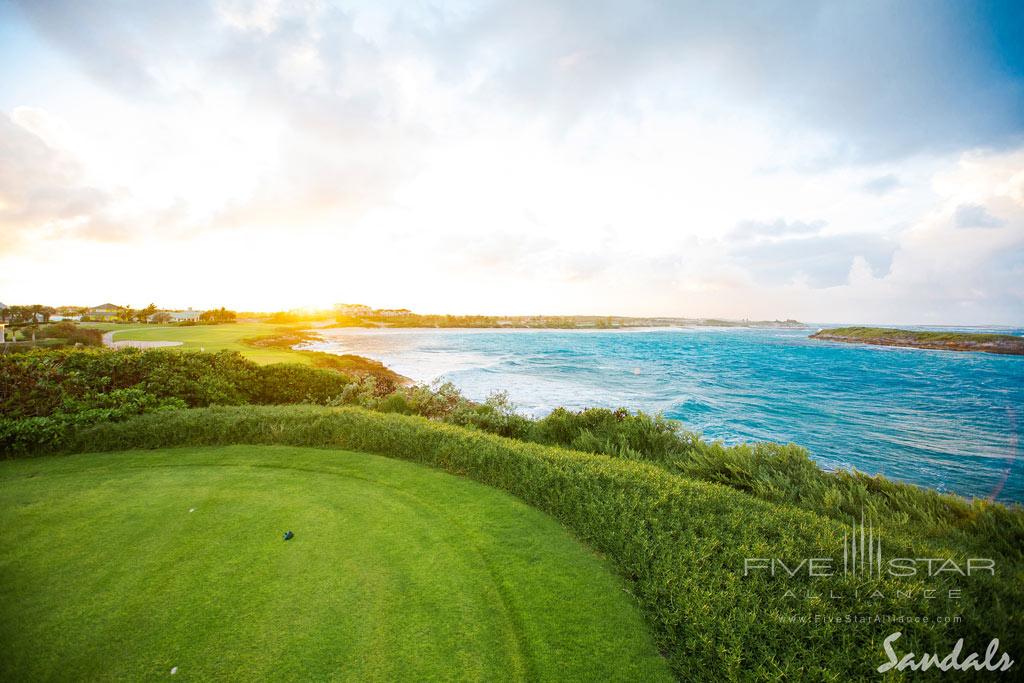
{"x": 947, "y": 420}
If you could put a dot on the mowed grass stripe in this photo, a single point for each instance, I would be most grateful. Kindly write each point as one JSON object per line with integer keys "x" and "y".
{"x": 226, "y": 337}
{"x": 396, "y": 572}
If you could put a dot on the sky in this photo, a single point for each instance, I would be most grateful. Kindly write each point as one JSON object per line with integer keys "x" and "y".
{"x": 823, "y": 161}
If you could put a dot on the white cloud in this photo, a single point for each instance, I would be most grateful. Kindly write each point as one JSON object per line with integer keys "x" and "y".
{"x": 520, "y": 157}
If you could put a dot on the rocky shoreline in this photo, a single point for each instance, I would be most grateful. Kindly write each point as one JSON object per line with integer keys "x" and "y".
{"x": 987, "y": 343}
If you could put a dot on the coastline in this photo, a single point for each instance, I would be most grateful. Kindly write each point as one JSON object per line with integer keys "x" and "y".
{"x": 736, "y": 385}
{"x": 345, "y": 329}
{"x": 961, "y": 342}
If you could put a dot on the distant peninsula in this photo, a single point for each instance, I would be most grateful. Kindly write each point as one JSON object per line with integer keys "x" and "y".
{"x": 945, "y": 341}
{"x": 355, "y": 315}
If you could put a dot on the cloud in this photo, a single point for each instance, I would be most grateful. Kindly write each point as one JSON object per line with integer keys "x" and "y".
{"x": 515, "y": 253}
{"x": 42, "y": 193}
{"x": 779, "y": 228}
{"x": 880, "y": 80}
{"x": 483, "y": 142}
{"x": 974, "y": 216}
{"x": 122, "y": 45}
{"x": 821, "y": 261}
{"x": 882, "y": 185}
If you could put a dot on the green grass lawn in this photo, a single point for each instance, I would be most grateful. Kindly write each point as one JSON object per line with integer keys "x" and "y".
{"x": 211, "y": 338}
{"x": 396, "y": 572}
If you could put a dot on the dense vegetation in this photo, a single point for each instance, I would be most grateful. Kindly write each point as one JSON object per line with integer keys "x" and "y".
{"x": 953, "y": 341}
{"x": 26, "y": 314}
{"x": 51, "y": 335}
{"x": 408, "y": 319}
{"x": 679, "y": 542}
{"x": 71, "y": 334}
{"x": 218, "y": 315}
{"x": 922, "y": 335}
{"x": 45, "y": 395}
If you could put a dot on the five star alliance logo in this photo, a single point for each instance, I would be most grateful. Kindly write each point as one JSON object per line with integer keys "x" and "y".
{"x": 862, "y": 556}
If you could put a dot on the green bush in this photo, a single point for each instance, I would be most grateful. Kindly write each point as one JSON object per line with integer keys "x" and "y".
{"x": 611, "y": 432}
{"x": 28, "y": 435}
{"x": 292, "y": 383}
{"x": 72, "y": 334}
{"x": 783, "y": 473}
{"x": 54, "y": 392}
{"x": 496, "y": 415}
{"x": 42, "y": 383}
{"x": 679, "y": 543}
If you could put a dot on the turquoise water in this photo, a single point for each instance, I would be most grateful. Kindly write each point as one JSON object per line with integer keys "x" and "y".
{"x": 950, "y": 421}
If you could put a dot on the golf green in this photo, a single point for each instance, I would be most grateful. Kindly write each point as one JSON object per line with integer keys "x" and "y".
{"x": 137, "y": 564}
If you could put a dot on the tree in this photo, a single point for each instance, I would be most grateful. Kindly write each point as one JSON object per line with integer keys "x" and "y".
{"x": 19, "y": 314}
{"x": 39, "y": 312}
{"x": 218, "y": 315}
{"x": 161, "y": 317}
{"x": 143, "y": 315}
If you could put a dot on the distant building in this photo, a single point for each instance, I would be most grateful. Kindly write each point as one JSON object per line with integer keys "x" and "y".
{"x": 104, "y": 312}
{"x": 352, "y": 310}
{"x": 181, "y": 316}
{"x": 393, "y": 312}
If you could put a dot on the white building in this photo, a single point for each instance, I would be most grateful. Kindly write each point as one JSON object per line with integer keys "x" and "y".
{"x": 183, "y": 316}
{"x": 179, "y": 316}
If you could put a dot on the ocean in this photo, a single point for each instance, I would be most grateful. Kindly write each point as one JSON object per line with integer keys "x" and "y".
{"x": 951, "y": 421}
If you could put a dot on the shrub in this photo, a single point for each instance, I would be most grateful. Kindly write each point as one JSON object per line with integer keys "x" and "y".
{"x": 218, "y": 315}
{"x": 292, "y": 383}
{"x": 783, "y": 473}
{"x": 41, "y": 383}
{"x": 679, "y": 543}
{"x": 21, "y": 437}
{"x": 72, "y": 333}
{"x": 612, "y": 432}
{"x": 496, "y": 415}
{"x": 46, "y": 395}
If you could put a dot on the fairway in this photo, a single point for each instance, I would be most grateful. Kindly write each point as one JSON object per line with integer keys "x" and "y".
{"x": 127, "y": 565}
{"x": 227, "y": 337}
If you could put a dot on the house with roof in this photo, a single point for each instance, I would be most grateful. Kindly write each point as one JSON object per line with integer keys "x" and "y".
{"x": 170, "y": 316}
{"x": 184, "y": 316}
{"x": 104, "y": 312}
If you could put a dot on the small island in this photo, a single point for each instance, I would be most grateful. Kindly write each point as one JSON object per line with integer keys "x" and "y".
{"x": 945, "y": 341}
